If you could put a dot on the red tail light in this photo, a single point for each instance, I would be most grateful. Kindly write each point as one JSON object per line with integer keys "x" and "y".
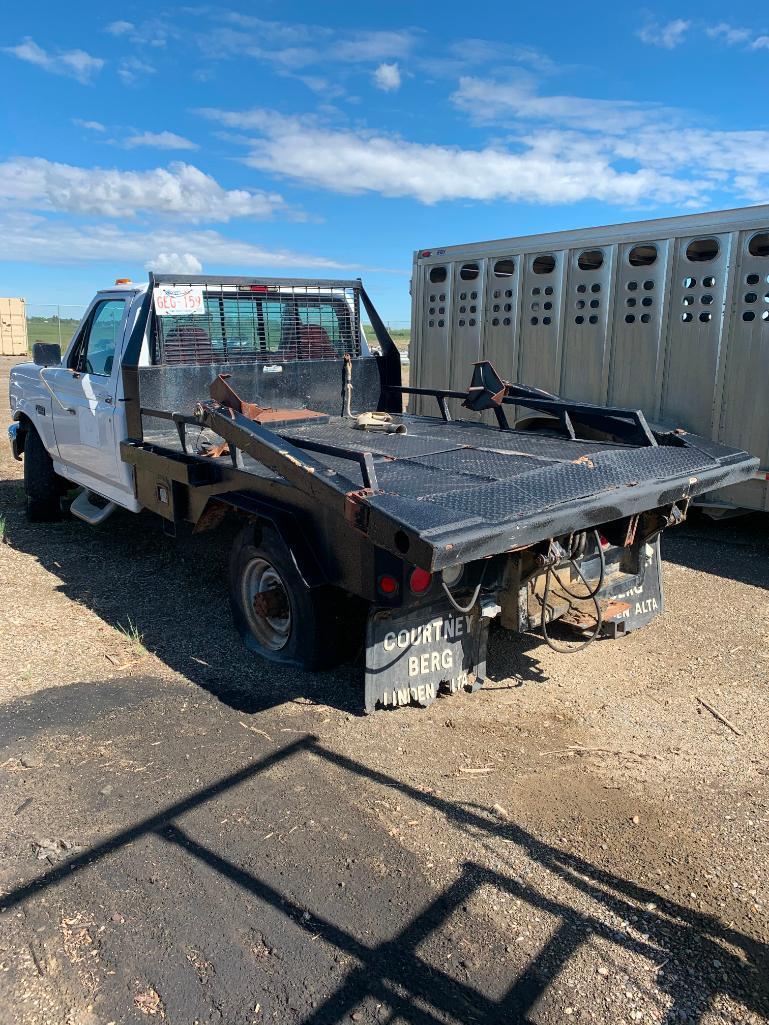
{"x": 420, "y": 580}
{"x": 387, "y": 585}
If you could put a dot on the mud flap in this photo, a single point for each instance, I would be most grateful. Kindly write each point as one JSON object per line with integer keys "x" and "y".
{"x": 415, "y": 654}
{"x": 633, "y": 604}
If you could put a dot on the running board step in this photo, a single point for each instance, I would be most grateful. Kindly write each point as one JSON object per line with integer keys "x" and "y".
{"x": 88, "y": 511}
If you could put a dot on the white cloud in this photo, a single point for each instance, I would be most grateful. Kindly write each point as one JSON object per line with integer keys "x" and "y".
{"x": 645, "y": 155}
{"x": 668, "y": 35}
{"x": 387, "y": 77}
{"x": 731, "y": 35}
{"x": 293, "y": 47}
{"x": 554, "y": 167}
{"x": 180, "y": 192}
{"x": 170, "y": 263}
{"x": 488, "y": 100}
{"x": 159, "y": 140}
{"x": 119, "y": 28}
{"x": 75, "y": 64}
{"x": 91, "y": 126}
{"x": 40, "y": 240}
{"x": 132, "y": 69}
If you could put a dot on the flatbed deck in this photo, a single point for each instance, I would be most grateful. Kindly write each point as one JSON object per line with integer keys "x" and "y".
{"x": 466, "y": 488}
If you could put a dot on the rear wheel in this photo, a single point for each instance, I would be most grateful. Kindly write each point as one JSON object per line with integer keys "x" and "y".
{"x": 43, "y": 487}
{"x": 278, "y": 616}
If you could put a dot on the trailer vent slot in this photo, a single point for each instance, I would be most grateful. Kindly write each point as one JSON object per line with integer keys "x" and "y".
{"x": 504, "y": 268}
{"x": 469, "y": 271}
{"x": 543, "y": 264}
{"x": 759, "y": 244}
{"x": 642, "y": 256}
{"x": 701, "y": 250}
{"x": 590, "y": 259}
{"x": 438, "y": 275}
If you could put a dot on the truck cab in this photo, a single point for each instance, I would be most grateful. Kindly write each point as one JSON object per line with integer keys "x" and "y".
{"x": 77, "y": 402}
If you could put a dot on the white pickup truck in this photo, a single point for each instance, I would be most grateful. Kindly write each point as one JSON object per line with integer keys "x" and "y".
{"x": 356, "y": 517}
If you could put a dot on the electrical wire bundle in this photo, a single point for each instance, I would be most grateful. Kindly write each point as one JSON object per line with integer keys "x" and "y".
{"x": 591, "y": 595}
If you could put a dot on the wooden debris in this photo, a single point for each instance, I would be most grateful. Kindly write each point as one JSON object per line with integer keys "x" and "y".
{"x": 721, "y": 718}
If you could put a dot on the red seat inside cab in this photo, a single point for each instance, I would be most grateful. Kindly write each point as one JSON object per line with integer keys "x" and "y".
{"x": 313, "y": 342}
{"x": 187, "y": 343}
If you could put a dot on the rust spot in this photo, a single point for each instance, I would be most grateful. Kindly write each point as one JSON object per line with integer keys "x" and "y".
{"x": 356, "y": 508}
{"x": 584, "y": 461}
{"x": 615, "y": 608}
{"x": 222, "y": 391}
{"x": 271, "y": 603}
{"x": 214, "y": 451}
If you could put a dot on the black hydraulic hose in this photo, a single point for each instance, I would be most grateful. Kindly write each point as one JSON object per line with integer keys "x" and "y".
{"x": 474, "y": 598}
{"x": 568, "y": 649}
{"x": 601, "y": 575}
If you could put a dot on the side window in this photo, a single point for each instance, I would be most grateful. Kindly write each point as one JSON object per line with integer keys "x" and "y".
{"x": 96, "y": 351}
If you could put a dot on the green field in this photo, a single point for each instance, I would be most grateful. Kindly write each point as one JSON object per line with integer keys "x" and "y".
{"x": 400, "y": 335}
{"x": 50, "y": 329}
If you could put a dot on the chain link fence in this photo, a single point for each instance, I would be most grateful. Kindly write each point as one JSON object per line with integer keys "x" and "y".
{"x": 52, "y": 322}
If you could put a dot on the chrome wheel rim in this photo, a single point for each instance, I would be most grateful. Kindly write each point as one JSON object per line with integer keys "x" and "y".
{"x": 266, "y": 604}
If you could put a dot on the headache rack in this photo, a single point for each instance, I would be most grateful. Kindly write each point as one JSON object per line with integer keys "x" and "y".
{"x": 268, "y": 321}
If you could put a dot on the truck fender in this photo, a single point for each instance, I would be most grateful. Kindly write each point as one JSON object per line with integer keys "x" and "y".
{"x": 35, "y": 411}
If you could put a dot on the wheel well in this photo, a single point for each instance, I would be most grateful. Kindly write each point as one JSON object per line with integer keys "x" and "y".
{"x": 25, "y": 423}
{"x": 220, "y": 509}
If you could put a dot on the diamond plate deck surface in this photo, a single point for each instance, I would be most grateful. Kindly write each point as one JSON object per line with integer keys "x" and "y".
{"x": 441, "y": 473}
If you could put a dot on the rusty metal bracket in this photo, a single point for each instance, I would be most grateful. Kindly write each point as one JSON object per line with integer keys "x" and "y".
{"x": 357, "y": 511}
{"x": 221, "y": 391}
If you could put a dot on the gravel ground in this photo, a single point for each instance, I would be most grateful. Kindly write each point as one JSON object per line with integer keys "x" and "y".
{"x": 189, "y": 835}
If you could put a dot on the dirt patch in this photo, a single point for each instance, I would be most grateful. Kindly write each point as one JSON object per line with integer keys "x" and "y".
{"x": 226, "y": 841}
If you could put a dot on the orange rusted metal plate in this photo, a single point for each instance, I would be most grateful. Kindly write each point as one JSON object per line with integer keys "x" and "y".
{"x": 222, "y": 391}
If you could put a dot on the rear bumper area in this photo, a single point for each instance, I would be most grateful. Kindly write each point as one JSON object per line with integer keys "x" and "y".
{"x": 418, "y": 653}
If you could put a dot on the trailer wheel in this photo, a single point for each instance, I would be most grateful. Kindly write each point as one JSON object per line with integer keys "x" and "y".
{"x": 43, "y": 487}
{"x": 278, "y": 616}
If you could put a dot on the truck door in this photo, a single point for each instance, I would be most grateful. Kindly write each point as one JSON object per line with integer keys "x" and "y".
{"x": 86, "y": 386}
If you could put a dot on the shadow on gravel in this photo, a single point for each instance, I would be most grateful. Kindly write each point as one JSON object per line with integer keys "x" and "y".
{"x": 174, "y": 591}
{"x": 735, "y": 548}
{"x": 700, "y": 958}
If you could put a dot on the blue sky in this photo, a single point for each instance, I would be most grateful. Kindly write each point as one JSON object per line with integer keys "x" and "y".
{"x": 332, "y": 140}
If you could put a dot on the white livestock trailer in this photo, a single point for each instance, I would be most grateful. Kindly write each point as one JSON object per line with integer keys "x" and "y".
{"x": 669, "y": 316}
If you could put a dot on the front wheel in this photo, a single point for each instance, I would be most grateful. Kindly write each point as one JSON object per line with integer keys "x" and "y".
{"x": 43, "y": 487}
{"x": 278, "y": 616}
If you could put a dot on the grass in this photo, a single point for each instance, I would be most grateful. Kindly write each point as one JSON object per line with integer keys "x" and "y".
{"x": 134, "y": 637}
{"x": 50, "y": 329}
{"x": 400, "y": 335}
{"x": 2, "y": 529}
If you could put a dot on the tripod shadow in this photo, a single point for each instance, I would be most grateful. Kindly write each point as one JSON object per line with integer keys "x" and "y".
{"x": 404, "y": 972}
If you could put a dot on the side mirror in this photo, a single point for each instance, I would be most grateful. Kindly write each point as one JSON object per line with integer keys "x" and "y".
{"x": 46, "y": 354}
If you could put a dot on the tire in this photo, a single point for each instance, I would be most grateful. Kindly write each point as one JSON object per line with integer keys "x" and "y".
{"x": 42, "y": 485}
{"x": 278, "y": 616}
